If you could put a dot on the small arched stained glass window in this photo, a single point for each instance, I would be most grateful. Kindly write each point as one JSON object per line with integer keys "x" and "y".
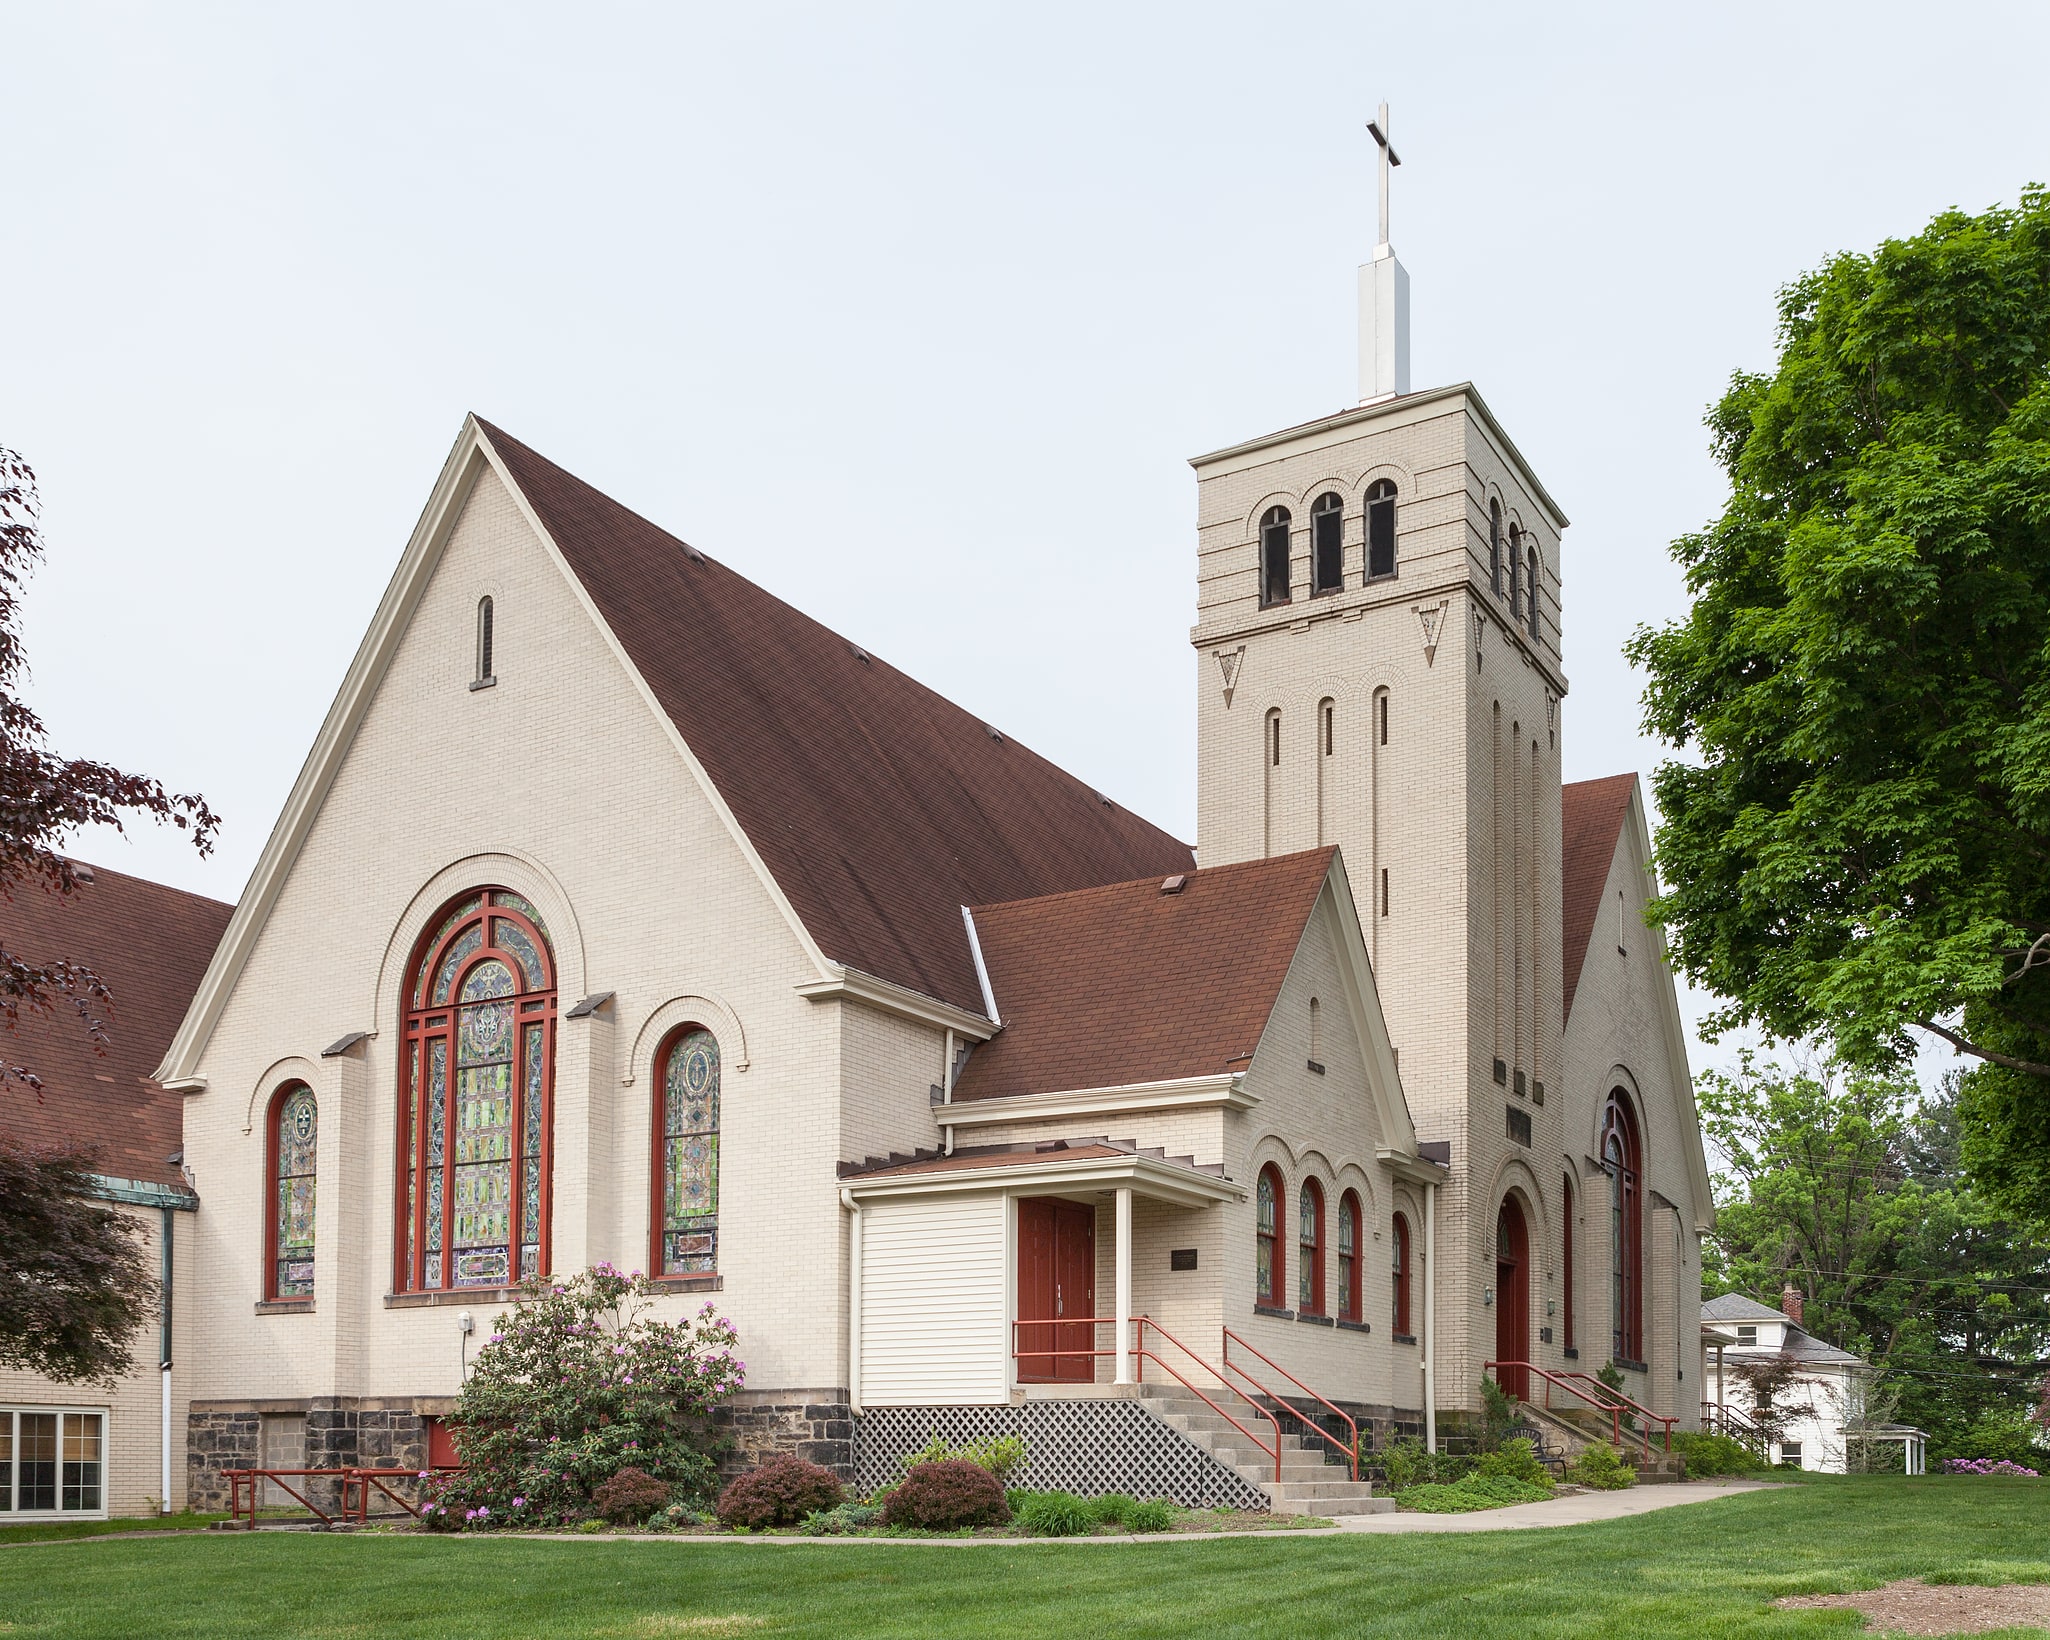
{"x": 1495, "y": 548}
{"x": 1530, "y": 592}
{"x": 1515, "y": 574}
{"x": 1310, "y": 1233}
{"x": 1348, "y": 1256}
{"x": 687, "y": 1236}
{"x": 1267, "y": 1266}
{"x": 295, "y": 1133}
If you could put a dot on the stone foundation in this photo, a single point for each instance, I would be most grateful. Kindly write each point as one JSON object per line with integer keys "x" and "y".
{"x": 340, "y": 1432}
{"x": 817, "y": 1425}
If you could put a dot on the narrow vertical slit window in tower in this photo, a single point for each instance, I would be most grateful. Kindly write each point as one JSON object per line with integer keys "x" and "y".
{"x": 1274, "y": 556}
{"x": 1327, "y": 544}
{"x": 1380, "y": 529}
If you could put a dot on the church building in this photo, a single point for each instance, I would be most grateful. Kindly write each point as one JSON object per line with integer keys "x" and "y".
{"x": 622, "y": 913}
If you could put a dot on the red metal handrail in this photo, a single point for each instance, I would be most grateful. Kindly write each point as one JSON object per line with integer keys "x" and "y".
{"x": 1612, "y": 1408}
{"x": 1352, "y": 1453}
{"x": 356, "y": 1482}
{"x": 1644, "y": 1412}
{"x": 1141, "y": 1354}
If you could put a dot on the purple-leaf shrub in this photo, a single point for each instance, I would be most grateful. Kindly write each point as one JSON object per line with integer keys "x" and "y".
{"x": 946, "y": 1496}
{"x": 780, "y": 1493}
{"x": 578, "y": 1383}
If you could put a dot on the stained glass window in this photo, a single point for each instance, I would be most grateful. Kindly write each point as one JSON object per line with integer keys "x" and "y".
{"x": 689, "y": 1159}
{"x": 1266, "y": 1268}
{"x": 1310, "y": 1233}
{"x": 1348, "y": 1257}
{"x": 479, "y": 1079}
{"x": 294, "y": 1135}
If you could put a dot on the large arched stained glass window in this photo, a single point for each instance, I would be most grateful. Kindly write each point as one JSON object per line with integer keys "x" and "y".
{"x": 294, "y": 1132}
{"x": 476, "y": 1082}
{"x": 687, "y": 1156}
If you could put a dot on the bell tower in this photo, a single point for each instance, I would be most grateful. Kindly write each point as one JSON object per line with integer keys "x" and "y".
{"x": 1378, "y": 641}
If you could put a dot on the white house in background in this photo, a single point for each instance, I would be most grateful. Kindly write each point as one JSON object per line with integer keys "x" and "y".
{"x": 1832, "y": 1383}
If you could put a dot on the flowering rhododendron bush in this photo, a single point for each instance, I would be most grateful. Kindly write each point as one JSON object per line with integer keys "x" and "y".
{"x": 1986, "y": 1466}
{"x": 578, "y": 1383}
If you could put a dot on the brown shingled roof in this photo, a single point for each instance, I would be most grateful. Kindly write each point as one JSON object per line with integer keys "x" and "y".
{"x": 1111, "y": 986}
{"x": 150, "y": 944}
{"x": 879, "y": 807}
{"x": 1590, "y": 822}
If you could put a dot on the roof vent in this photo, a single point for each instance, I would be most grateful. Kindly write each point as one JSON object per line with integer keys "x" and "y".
{"x": 994, "y": 733}
{"x": 692, "y": 552}
{"x": 1174, "y": 884}
{"x": 860, "y": 654}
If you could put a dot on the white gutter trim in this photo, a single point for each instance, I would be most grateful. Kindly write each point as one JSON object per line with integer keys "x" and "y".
{"x": 1227, "y": 1089}
{"x": 989, "y": 997}
{"x": 854, "y": 1258}
{"x": 1430, "y": 1362}
{"x": 1163, "y": 1181}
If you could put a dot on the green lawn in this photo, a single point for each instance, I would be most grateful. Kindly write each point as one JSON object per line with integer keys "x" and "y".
{"x": 1707, "y": 1569}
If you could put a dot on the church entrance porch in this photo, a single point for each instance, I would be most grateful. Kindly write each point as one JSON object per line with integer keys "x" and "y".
{"x": 1056, "y": 1285}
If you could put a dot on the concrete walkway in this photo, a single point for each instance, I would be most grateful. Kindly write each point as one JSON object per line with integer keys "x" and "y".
{"x": 1570, "y": 1511}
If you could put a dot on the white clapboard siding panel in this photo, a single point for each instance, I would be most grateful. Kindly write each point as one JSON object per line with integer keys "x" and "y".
{"x": 932, "y": 1302}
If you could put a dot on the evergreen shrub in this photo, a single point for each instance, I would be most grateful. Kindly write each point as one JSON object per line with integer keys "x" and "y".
{"x": 1708, "y": 1455}
{"x": 1406, "y": 1463}
{"x": 1602, "y": 1467}
{"x": 781, "y": 1493}
{"x": 947, "y": 1496}
{"x": 1515, "y": 1460}
{"x": 1002, "y": 1455}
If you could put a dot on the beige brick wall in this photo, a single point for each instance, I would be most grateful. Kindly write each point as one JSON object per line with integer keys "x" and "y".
{"x": 1459, "y": 807}
{"x": 561, "y": 784}
{"x": 132, "y": 1433}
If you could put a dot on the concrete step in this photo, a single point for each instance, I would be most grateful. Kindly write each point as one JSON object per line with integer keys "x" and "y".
{"x": 1352, "y": 1500}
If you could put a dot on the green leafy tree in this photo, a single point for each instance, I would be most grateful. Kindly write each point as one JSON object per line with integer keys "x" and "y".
{"x": 1857, "y": 844}
{"x": 579, "y": 1383}
{"x": 1850, "y": 1187}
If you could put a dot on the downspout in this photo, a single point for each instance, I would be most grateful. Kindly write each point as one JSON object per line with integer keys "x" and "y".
{"x": 164, "y": 1363}
{"x": 1430, "y": 1318}
{"x": 853, "y": 1301}
{"x": 947, "y": 1094}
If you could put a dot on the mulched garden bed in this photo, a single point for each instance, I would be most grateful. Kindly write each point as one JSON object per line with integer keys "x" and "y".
{"x": 1914, "y": 1607}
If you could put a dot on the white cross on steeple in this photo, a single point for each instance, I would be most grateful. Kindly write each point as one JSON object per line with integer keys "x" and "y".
{"x": 1380, "y": 129}
{"x": 1384, "y": 296}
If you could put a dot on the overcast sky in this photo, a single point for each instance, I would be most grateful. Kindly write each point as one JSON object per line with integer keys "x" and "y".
{"x": 913, "y": 314}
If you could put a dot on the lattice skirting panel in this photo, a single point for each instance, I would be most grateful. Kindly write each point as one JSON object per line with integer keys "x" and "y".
{"x": 1089, "y": 1447}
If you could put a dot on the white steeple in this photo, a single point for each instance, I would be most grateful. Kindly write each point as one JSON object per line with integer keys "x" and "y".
{"x": 1384, "y": 297}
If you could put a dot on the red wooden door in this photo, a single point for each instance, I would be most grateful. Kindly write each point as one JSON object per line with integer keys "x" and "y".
{"x": 1512, "y": 1298}
{"x": 1056, "y": 1280}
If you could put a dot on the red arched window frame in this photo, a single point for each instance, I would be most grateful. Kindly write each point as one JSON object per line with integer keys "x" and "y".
{"x": 1401, "y": 1261}
{"x": 1566, "y": 1264}
{"x": 1350, "y": 1223}
{"x": 291, "y": 1173}
{"x": 474, "y": 1187}
{"x": 1623, "y": 1159}
{"x": 684, "y": 1209}
{"x": 1266, "y": 1238}
{"x": 1310, "y": 1250}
